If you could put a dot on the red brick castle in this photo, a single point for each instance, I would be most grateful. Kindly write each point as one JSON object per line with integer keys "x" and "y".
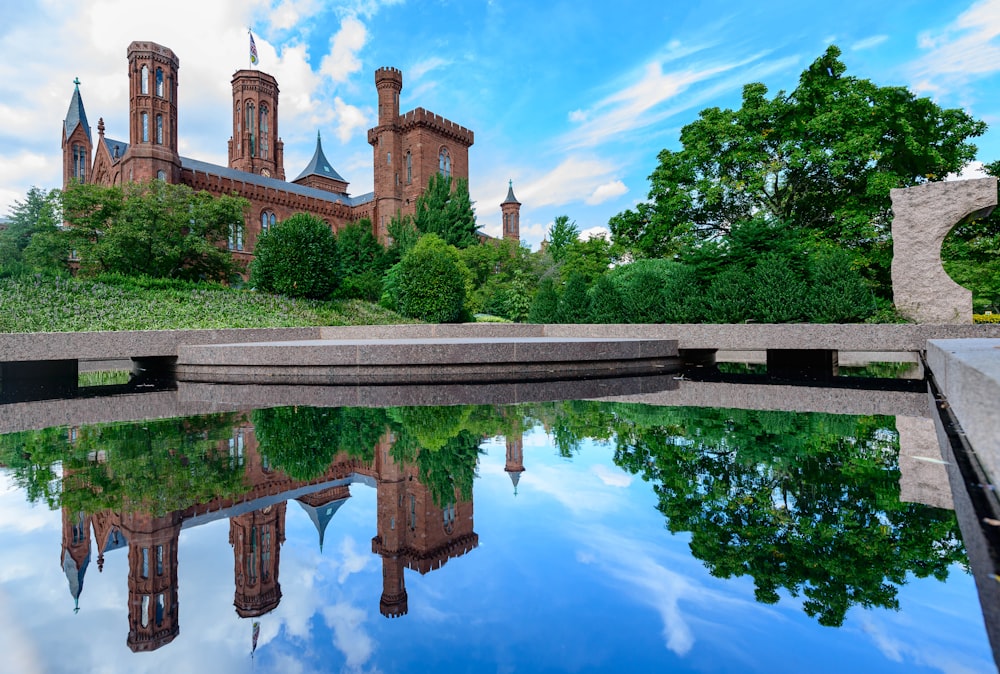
{"x": 407, "y": 150}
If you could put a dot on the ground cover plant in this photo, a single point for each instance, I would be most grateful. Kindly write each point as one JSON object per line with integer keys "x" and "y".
{"x": 39, "y": 303}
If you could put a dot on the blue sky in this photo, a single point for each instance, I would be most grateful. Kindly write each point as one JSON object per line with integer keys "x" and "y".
{"x": 570, "y": 100}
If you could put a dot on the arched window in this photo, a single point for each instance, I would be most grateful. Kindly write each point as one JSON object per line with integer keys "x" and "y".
{"x": 159, "y": 129}
{"x": 409, "y": 168}
{"x": 236, "y": 236}
{"x": 250, "y": 129}
{"x": 145, "y": 127}
{"x": 161, "y": 175}
{"x": 159, "y": 82}
{"x": 263, "y": 131}
{"x": 144, "y": 80}
{"x": 79, "y": 163}
{"x": 444, "y": 162}
{"x": 267, "y": 221}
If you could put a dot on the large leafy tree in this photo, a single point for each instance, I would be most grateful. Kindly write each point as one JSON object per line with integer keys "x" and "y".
{"x": 822, "y": 157}
{"x": 37, "y": 214}
{"x": 563, "y": 233}
{"x": 153, "y": 229}
{"x": 446, "y": 210}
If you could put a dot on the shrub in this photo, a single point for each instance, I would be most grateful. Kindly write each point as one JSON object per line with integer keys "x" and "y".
{"x": 778, "y": 291}
{"x": 838, "y": 292}
{"x": 573, "y": 306}
{"x": 545, "y": 303}
{"x": 429, "y": 282}
{"x": 297, "y": 258}
{"x": 606, "y": 302}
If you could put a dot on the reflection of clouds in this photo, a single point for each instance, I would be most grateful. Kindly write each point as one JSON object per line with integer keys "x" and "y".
{"x": 349, "y": 635}
{"x": 650, "y": 582}
{"x": 353, "y": 561}
{"x": 16, "y": 515}
{"x": 920, "y": 651}
{"x": 613, "y": 477}
{"x": 19, "y": 652}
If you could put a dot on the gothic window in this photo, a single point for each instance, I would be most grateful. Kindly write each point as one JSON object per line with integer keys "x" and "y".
{"x": 79, "y": 163}
{"x": 263, "y": 131}
{"x": 444, "y": 162}
{"x": 250, "y": 129}
{"x": 388, "y": 158}
{"x": 144, "y": 616}
{"x": 267, "y": 221}
{"x": 161, "y": 175}
{"x": 145, "y": 562}
{"x": 236, "y": 237}
{"x": 449, "y": 517}
{"x": 159, "y": 129}
{"x": 160, "y": 610}
{"x": 159, "y": 560}
{"x": 145, "y": 127}
{"x": 159, "y": 82}
{"x": 252, "y": 558}
{"x": 409, "y": 168}
{"x": 144, "y": 80}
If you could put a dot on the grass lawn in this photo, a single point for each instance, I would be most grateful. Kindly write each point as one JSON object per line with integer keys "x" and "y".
{"x": 46, "y": 304}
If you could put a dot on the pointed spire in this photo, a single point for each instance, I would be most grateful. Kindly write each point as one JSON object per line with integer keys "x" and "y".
{"x": 76, "y": 115}
{"x": 321, "y": 516}
{"x": 319, "y": 165}
{"x": 511, "y": 199}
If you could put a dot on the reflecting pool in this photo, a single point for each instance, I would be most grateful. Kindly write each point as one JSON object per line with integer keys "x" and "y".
{"x": 574, "y": 536}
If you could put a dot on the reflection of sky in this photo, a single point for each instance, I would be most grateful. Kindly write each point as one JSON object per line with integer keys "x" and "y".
{"x": 576, "y": 573}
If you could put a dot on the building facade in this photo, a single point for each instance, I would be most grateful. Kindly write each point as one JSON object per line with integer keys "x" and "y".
{"x": 407, "y": 149}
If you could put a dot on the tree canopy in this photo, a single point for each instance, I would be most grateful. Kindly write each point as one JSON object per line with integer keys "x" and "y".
{"x": 447, "y": 212}
{"x": 822, "y": 158}
{"x": 153, "y": 229}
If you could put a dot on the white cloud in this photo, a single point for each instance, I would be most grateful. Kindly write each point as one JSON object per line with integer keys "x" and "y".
{"x": 348, "y": 118}
{"x": 606, "y": 191}
{"x": 288, "y": 14}
{"x": 343, "y": 61}
{"x": 576, "y": 178}
{"x": 869, "y": 42}
{"x": 353, "y": 561}
{"x": 592, "y": 232}
{"x": 349, "y": 635}
{"x": 964, "y": 50}
{"x": 578, "y": 116}
{"x": 613, "y": 477}
{"x": 418, "y": 70}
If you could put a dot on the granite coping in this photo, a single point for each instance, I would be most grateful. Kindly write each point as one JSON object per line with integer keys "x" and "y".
{"x": 967, "y": 372}
{"x": 732, "y": 337}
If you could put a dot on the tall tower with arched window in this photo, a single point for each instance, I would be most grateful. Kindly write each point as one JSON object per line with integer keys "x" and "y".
{"x": 255, "y": 146}
{"x": 152, "y": 76}
{"x": 511, "y": 209}
{"x": 152, "y": 579}
{"x": 408, "y": 149}
{"x": 256, "y": 538}
{"x": 77, "y": 144}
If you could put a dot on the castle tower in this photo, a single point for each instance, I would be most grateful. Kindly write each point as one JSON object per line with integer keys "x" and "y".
{"x": 255, "y": 146}
{"x": 75, "y": 551}
{"x": 515, "y": 459}
{"x": 392, "y": 523}
{"x": 511, "y": 209}
{"x": 77, "y": 144}
{"x": 152, "y": 579}
{"x": 152, "y": 75}
{"x": 319, "y": 173}
{"x": 385, "y": 141}
{"x": 256, "y": 538}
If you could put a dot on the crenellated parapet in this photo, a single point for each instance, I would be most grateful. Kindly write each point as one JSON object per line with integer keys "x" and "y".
{"x": 419, "y": 117}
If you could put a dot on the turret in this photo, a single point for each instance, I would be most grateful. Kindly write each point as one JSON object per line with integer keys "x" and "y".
{"x": 389, "y": 82}
{"x": 152, "y": 73}
{"x": 511, "y": 209}
{"x": 77, "y": 144}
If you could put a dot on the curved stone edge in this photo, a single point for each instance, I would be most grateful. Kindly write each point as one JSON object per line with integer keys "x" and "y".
{"x": 923, "y": 215}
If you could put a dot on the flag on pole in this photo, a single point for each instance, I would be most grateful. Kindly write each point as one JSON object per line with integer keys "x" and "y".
{"x": 253, "y": 51}
{"x": 256, "y": 633}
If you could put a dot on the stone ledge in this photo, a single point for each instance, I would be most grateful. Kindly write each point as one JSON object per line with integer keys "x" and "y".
{"x": 967, "y": 372}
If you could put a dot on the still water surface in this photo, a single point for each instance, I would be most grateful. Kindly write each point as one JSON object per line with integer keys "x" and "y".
{"x": 546, "y": 537}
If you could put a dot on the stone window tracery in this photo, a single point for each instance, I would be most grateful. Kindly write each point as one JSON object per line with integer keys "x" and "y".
{"x": 444, "y": 162}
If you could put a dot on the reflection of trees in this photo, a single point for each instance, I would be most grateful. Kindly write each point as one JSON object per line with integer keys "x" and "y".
{"x": 804, "y": 502}
{"x": 302, "y": 441}
{"x": 155, "y": 466}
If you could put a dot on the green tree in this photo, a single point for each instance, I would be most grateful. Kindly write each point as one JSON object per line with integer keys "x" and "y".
{"x": 446, "y": 210}
{"x": 298, "y": 257}
{"x": 562, "y": 234}
{"x": 153, "y": 229}
{"x": 545, "y": 304}
{"x": 821, "y": 158}
{"x": 38, "y": 214}
{"x": 429, "y": 283}
{"x": 362, "y": 261}
{"x": 574, "y": 304}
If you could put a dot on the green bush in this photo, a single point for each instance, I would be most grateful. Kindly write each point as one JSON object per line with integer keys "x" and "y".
{"x": 429, "y": 282}
{"x": 606, "y": 302}
{"x": 838, "y": 291}
{"x": 574, "y": 307}
{"x": 778, "y": 292}
{"x": 545, "y": 303}
{"x": 297, "y": 258}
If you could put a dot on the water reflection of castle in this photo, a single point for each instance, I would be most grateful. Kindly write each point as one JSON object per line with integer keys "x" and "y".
{"x": 412, "y": 532}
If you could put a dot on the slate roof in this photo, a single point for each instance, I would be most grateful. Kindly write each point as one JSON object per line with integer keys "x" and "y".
{"x": 110, "y": 144}
{"x": 511, "y": 199}
{"x": 274, "y": 183}
{"x": 76, "y": 115}
{"x": 319, "y": 165}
